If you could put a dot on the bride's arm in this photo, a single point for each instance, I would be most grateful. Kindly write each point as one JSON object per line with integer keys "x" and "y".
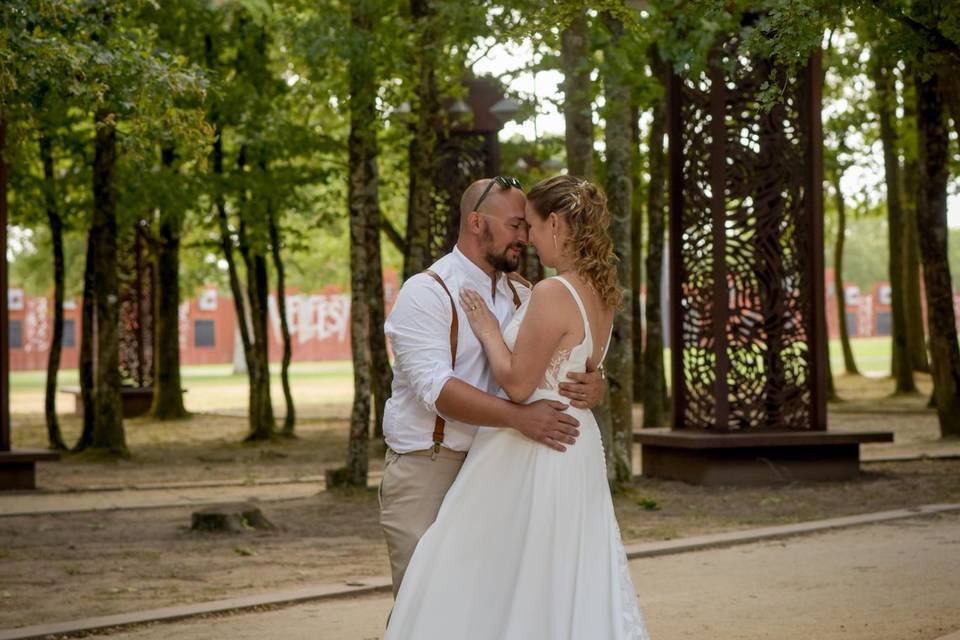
{"x": 545, "y": 324}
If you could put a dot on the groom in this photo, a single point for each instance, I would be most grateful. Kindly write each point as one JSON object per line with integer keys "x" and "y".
{"x": 443, "y": 386}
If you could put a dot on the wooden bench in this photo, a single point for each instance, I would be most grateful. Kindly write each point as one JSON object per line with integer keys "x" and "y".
{"x": 134, "y": 401}
{"x": 18, "y": 467}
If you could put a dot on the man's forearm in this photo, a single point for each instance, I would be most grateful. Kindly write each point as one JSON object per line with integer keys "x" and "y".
{"x": 465, "y": 403}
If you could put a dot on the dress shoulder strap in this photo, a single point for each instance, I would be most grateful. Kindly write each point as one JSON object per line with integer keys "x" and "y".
{"x": 583, "y": 310}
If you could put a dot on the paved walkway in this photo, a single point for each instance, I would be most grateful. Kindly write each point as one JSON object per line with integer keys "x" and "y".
{"x": 886, "y": 581}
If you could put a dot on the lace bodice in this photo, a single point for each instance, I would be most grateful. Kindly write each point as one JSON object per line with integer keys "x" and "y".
{"x": 563, "y": 361}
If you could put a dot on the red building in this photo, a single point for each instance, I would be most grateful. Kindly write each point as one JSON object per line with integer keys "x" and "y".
{"x": 319, "y": 325}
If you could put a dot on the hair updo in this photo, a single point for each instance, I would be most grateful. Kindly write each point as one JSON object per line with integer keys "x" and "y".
{"x": 584, "y": 206}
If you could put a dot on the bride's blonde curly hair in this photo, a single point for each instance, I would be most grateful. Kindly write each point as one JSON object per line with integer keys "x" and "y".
{"x": 584, "y": 206}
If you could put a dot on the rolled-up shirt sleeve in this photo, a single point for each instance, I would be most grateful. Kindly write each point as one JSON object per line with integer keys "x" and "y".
{"x": 418, "y": 328}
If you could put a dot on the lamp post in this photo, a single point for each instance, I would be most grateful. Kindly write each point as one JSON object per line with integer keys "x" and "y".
{"x": 468, "y": 150}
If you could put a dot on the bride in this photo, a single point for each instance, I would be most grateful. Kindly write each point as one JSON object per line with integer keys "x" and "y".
{"x": 526, "y": 544}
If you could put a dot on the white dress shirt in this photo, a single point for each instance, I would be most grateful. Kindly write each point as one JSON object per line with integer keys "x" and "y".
{"x": 419, "y": 331}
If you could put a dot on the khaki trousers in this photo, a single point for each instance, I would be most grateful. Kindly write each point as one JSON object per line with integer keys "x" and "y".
{"x": 411, "y": 491}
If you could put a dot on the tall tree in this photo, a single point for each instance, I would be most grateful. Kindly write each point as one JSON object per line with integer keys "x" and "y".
{"x": 290, "y": 418}
{"x": 577, "y": 100}
{"x": 916, "y": 338}
{"x": 849, "y": 364}
{"x": 55, "y": 221}
{"x": 654, "y": 391}
{"x": 107, "y": 433}
{"x": 423, "y": 143}
{"x": 381, "y": 378}
{"x": 244, "y": 195}
{"x": 636, "y": 250}
{"x": 167, "y": 401}
{"x": 619, "y": 172}
{"x": 884, "y": 83}
{"x": 179, "y": 26}
{"x": 87, "y": 336}
{"x": 362, "y": 197}
{"x": 932, "y": 222}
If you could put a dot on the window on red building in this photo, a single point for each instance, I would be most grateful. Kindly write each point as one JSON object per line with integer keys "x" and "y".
{"x": 16, "y": 334}
{"x": 203, "y": 333}
{"x": 69, "y": 333}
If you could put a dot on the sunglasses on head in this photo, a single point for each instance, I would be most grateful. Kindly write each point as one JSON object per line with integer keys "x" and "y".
{"x": 504, "y": 181}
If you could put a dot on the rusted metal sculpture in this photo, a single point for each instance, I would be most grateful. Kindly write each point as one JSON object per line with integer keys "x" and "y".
{"x": 136, "y": 284}
{"x": 746, "y": 255}
{"x": 746, "y": 281}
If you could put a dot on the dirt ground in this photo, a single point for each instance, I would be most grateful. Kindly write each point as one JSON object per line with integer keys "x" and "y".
{"x": 78, "y": 565}
{"x": 206, "y": 447}
{"x": 61, "y": 567}
{"x": 210, "y": 447}
{"x": 887, "y": 581}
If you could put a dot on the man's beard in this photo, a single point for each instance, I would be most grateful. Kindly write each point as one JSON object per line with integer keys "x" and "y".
{"x": 500, "y": 262}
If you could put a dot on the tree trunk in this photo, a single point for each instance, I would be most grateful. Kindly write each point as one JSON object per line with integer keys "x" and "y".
{"x": 951, "y": 95}
{"x": 5, "y": 444}
{"x": 260, "y": 408}
{"x": 916, "y": 340}
{"x": 108, "y": 434}
{"x": 655, "y": 385}
{"x": 831, "y": 387}
{"x": 54, "y": 435}
{"x": 849, "y": 365}
{"x": 258, "y": 361}
{"x": 932, "y": 226}
{"x": 167, "y": 385}
{"x": 912, "y": 296}
{"x": 900, "y": 367}
{"x": 88, "y": 335}
{"x": 290, "y": 418}
{"x": 619, "y": 361}
{"x": 363, "y": 202}
{"x": 577, "y": 113}
{"x": 227, "y": 243}
{"x": 382, "y": 373}
{"x": 423, "y": 145}
{"x": 636, "y": 252}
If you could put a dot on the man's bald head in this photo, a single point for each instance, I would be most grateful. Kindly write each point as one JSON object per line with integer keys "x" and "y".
{"x": 470, "y": 196}
{"x": 498, "y": 234}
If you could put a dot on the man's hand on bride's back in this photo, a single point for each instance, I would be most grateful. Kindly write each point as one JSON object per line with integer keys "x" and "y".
{"x": 544, "y": 421}
{"x": 586, "y": 389}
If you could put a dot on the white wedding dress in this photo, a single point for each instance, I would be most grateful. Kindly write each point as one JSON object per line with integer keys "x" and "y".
{"x": 526, "y": 544}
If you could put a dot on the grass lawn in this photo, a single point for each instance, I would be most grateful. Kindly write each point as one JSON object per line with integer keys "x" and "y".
{"x": 209, "y": 387}
{"x": 316, "y": 385}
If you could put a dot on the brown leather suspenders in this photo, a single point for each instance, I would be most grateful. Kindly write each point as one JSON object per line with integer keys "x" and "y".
{"x": 454, "y": 331}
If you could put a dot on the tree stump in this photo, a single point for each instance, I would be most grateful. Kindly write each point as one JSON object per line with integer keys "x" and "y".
{"x": 231, "y": 518}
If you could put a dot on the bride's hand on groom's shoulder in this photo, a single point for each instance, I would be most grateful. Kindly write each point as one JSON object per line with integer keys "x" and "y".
{"x": 482, "y": 320}
{"x": 545, "y": 421}
{"x": 586, "y": 389}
